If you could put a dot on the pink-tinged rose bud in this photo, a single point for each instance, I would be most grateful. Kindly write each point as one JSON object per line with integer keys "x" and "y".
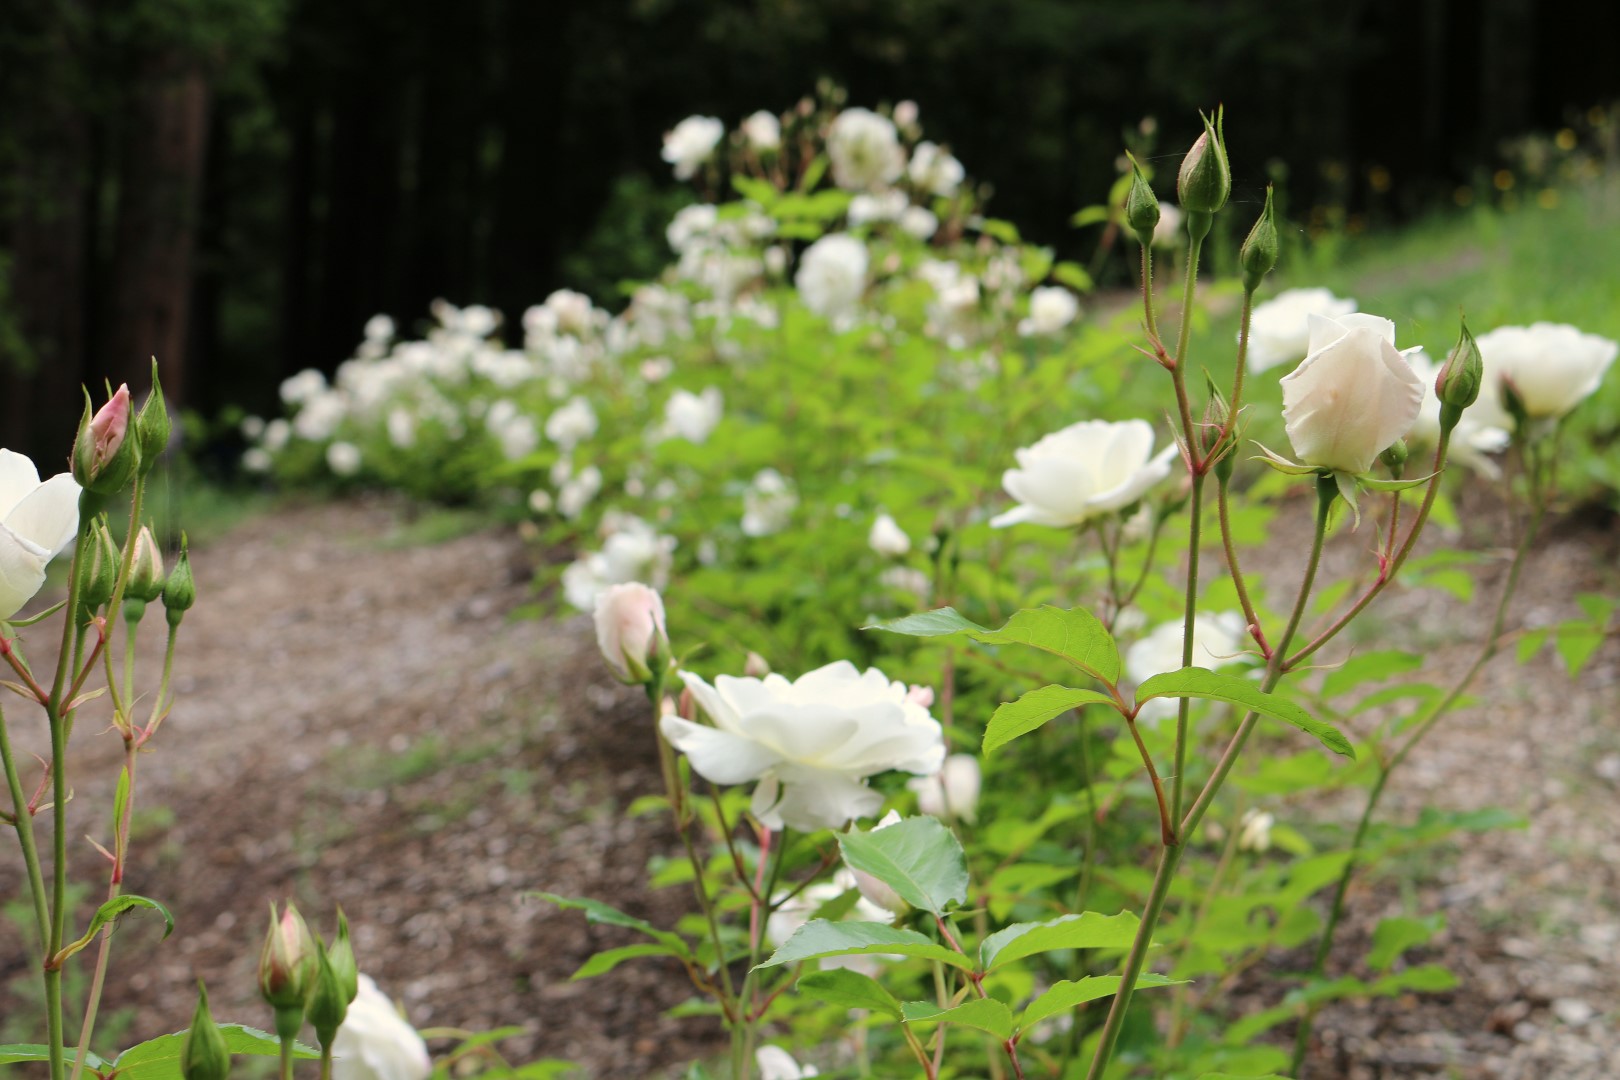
{"x": 630, "y": 631}
{"x": 287, "y": 963}
{"x": 755, "y": 666}
{"x": 921, "y": 695}
{"x": 145, "y": 568}
{"x": 953, "y": 792}
{"x": 103, "y": 458}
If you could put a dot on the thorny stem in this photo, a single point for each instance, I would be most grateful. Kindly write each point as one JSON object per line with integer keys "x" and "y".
{"x": 1488, "y": 650}
{"x": 1189, "y": 625}
{"x": 1170, "y": 856}
{"x": 1223, "y": 509}
{"x": 1387, "y": 574}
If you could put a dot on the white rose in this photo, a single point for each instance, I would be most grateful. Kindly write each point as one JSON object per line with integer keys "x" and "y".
{"x": 776, "y": 1063}
{"x": 1084, "y": 471}
{"x": 691, "y": 143}
{"x": 887, "y": 538}
{"x": 1552, "y": 367}
{"x": 343, "y": 458}
{"x": 832, "y": 275}
{"x": 865, "y": 150}
{"x": 1353, "y": 396}
{"x": 1051, "y": 308}
{"x": 768, "y": 504}
{"x": 1471, "y": 440}
{"x": 934, "y": 170}
{"x": 571, "y": 424}
{"x": 572, "y": 311}
{"x": 810, "y": 743}
{"x": 1218, "y": 641}
{"x": 37, "y": 520}
{"x": 693, "y": 417}
{"x": 918, "y": 222}
{"x": 1280, "y": 331}
{"x": 1256, "y": 834}
{"x": 630, "y": 630}
{"x": 379, "y": 328}
{"x": 953, "y": 792}
{"x": 885, "y": 206}
{"x": 763, "y": 131}
{"x": 375, "y": 1042}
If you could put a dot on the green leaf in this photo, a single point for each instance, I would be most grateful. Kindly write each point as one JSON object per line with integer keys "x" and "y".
{"x": 608, "y": 959}
{"x": 598, "y": 912}
{"x": 985, "y": 1014}
{"x": 1087, "y": 930}
{"x": 1576, "y": 642}
{"x": 1245, "y": 1076}
{"x": 1394, "y": 936}
{"x": 1369, "y": 667}
{"x": 818, "y": 938}
{"x": 1089, "y": 215}
{"x": 919, "y": 858}
{"x": 159, "y": 1058}
{"x": 759, "y": 191}
{"x": 1201, "y": 683}
{"x": 1074, "y": 634}
{"x": 112, "y": 911}
{"x": 1074, "y": 276}
{"x": 1531, "y": 643}
{"x": 1067, "y": 994}
{"x": 12, "y": 1053}
{"x": 850, "y": 989}
{"x": 1034, "y": 709}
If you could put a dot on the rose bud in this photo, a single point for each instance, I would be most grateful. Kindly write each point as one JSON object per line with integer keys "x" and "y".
{"x": 287, "y": 969}
{"x": 630, "y": 631}
{"x": 1141, "y": 206}
{"x": 203, "y": 1053}
{"x": 1259, "y": 252}
{"x": 1205, "y": 179}
{"x": 103, "y": 458}
{"x": 152, "y": 426}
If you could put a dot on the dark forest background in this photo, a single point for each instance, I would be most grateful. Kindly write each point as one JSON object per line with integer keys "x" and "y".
{"x": 234, "y": 186}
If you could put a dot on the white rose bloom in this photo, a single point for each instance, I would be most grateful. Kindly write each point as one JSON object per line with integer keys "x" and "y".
{"x": 810, "y": 743}
{"x": 320, "y": 415}
{"x": 1471, "y": 440}
{"x": 379, "y": 328}
{"x": 630, "y": 629}
{"x": 865, "y": 151}
{"x": 540, "y": 501}
{"x": 401, "y": 428}
{"x": 256, "y": 459}
{"x": 343, "y": 458}
{"x": 1256, "y": 834}
{"x": 887, "y": 538}
{"x": 1552, "y": 367}
{"x": 1084, "y": 471}
{"x": 905, "y": 113}
{"x": 572, "y": 424}
{"x": 953, "y": 792}
{"x": 577, "y": 492}
{"x": 935, "y": 171}
{"x": 1280, "y": 330}
{"x": 776, "y": 1063}
{"x": 1167, "y": 234}
{"x": 1051, "y": 308}
{"x": 768, "y": 504}
{"x": 37, "y": 520}
{"x": 1352, "y": 397}
{"x": 302, "y": 386}
{"x": 690, "y": 224}
{"x": 832, "y": 275}
{"x": 918, "y": 222}
{"x": 693, "y": 417}
{"x": 375, "y": 1042}
{"x": 763, "y": 131}
{"x": 939, "y": 273}
{"x": 573, "y": 311}
{"x": 277, "y": 433}
{"x": 1218, "y": 641}
{"x": 864, "y": 209}
{"x": 691, "y": 143}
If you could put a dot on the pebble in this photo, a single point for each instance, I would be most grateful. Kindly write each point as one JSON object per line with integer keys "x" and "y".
{"x": 1573, "y": 1011}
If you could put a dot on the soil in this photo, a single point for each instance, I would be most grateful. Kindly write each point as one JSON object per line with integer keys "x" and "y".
{"x": 360, "y": 721}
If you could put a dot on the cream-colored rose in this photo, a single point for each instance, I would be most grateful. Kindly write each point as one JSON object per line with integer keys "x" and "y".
{"x": 1280, "y": 328}
{"x": 1552, "y": 367}
{"x": 691, "y": 143}
{"x": 888, "y": 538}
{"x": 375, "y": 1042}
{"x": 1352, "y": 397}
{"x": 630, "y": 630}
{"x": 1084, "y": 471}
{"x": 37, "y": 520}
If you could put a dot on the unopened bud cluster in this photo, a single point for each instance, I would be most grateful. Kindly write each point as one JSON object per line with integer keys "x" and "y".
{"x": 302, "y": 978}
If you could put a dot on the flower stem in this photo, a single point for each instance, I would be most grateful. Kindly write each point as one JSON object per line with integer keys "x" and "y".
{"x": 1189, "y": 625}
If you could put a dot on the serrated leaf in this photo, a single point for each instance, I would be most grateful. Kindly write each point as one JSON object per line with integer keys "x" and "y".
{"x": 1075, "y": 635}
{"x": 1087, "y": 930}
{"x": 818, "y": 938}
{"x": 1202, "y": 683}
{"x": 984, "y": 1014}
{"x": 598, "y": 912}
{"x": 1067, "y": 994}
{"x": 13, "y": 1053}
{"x": 919, "y": 858}
{"x": 1395, "y": 935}
{"x": 112, "y": 911}
{"x": 850, "y": 989}
{"x": 1033, "y": 710}
{"x": 608, "y": 959}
